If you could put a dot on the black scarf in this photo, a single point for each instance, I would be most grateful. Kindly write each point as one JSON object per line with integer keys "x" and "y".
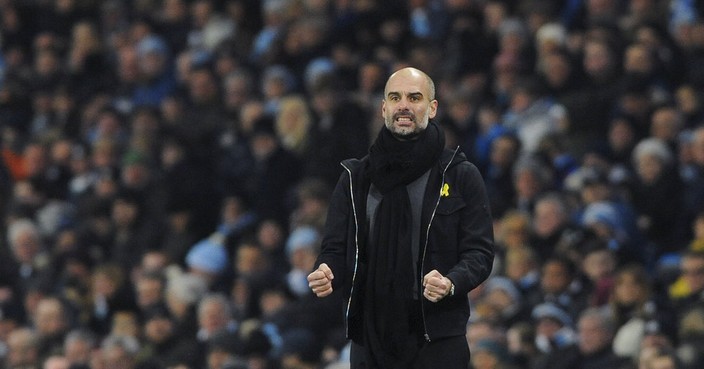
{"x": 393, "y": 164}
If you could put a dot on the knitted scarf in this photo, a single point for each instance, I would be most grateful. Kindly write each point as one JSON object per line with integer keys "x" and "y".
{"x": 393, "y": 164}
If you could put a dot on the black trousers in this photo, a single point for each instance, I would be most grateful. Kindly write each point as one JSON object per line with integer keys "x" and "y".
{"x": 446, "y": 353}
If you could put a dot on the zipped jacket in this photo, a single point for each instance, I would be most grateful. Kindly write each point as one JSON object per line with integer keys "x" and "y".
{"x": 456, "y": 239}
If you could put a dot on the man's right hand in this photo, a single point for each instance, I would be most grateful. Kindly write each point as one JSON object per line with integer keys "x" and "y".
{"x": 320, "y": 280}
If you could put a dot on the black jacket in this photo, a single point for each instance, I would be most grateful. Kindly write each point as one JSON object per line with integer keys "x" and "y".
{"x": 456, "y": 239}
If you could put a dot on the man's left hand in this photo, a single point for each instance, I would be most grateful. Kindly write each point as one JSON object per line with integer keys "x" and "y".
{"x": 436, "y": 286}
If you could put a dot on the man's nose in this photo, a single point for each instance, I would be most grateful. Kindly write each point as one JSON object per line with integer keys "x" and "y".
{"x": 402, "y": 104}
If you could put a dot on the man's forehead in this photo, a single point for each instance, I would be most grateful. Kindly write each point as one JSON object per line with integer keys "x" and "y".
{"x": 406, "y": 87}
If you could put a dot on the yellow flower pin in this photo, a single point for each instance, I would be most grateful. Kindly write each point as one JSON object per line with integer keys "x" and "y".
{"x": 445, "y": 192}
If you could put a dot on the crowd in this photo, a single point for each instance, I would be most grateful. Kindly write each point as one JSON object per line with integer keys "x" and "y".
{"x": 166, "y": 166}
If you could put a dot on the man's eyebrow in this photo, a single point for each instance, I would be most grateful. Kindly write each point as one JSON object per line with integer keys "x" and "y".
{"x": 413, "y": 94}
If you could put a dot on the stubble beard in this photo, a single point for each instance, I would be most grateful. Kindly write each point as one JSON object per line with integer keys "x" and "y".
{"x": 406, "y": 133}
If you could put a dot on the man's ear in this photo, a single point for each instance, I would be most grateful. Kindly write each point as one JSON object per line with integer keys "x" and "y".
{"x": 433, "y": 109}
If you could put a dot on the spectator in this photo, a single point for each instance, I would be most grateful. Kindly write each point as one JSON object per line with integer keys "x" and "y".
{"x": 183, "y": 291}
{"x": 554, "y": 328}
{"x": 28, "y": 262}
{"x": 277, "y": 174}
{"x": 512, "y": 231}
{"x": 655, "y": 176}
{"x": 532, "y": 115}
{"x": 56, "y": 362}
{"x": 560, "y": 285}
{"x": 271, "y": 237}
{"x": 118, "y": 352}
{"x": 634, "y": 308}
{"x": 505, "y": 304}
{"x": 520, "y": 341}
{"x": 491, "y": 355}
{"x": 10, "y": 320}
{"x": 293, "y": 121}
{"x": 214, "y": 315}
{"x": 163, "y": 346}
{"x": 693, "y": 191}
{"x": 301, "y": 349}
{"x": 52, "y": 321}
{"x": 551, "y": 223}
{"x": 22, "y": 349}
{"x": 522, "y": 267}
{"x": 499, "y": 178}
{"x": 690, "y": 336}
{"x": 221, "y": 352}
{"x": 156, "y": 78}
{"x": 593, "y": 348}
{"x": 336, "y": 133}
{"x": 590, "y": 105}
{"x": 78, "y": 347}
{"x": 687, "y": 291}
{"x": 109, "y": 294}
{"x": 484, "y": 330}
{"x": 302, "y": 248}
{"x": 530, "y": 179}
{"x": 149, "y": 290}
{"x": 208, "y": 259}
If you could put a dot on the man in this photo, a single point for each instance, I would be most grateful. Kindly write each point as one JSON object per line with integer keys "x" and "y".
{"x": 408, "y": 235}
{"x": 51, "y": 320}
{"x": 592, "y": 349}
{"x": 22, "y": 349}
{"x": 688, "y": 291}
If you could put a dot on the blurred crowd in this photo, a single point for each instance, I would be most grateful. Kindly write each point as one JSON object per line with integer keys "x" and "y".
{"x": 166, "y": 167}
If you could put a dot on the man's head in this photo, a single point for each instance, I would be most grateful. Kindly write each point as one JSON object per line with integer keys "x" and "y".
{"x": 409, "y": 103}
{"x": 50, "y": 317}
{"x": 596, "y": 331}
{"x": 692, "y": 269}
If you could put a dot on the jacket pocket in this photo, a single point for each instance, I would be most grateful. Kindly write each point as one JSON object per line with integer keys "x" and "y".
{"x": 445, "y": 228}
{"x": 449, "y": 205}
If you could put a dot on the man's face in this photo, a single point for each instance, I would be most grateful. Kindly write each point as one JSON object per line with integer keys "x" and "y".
{"x": 592, "y": 335}
{"x": 407, "y": 105}
{"x": 692, "y": 269}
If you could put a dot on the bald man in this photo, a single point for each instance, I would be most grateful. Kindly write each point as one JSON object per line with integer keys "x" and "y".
{"x": 408, "y": 235}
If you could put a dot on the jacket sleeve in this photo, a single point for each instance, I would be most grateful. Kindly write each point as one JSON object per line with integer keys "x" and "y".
{"x": 334, "y": 248}
{"x": 476, "y": 237}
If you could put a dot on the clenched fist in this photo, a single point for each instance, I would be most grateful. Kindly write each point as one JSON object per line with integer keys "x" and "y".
{"x": 436, "y": 286}
{"x": 320, "y": 280}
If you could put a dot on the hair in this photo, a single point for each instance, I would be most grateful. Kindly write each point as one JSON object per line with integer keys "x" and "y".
{"x": 523, "y": 253}
{"x": 215, "y": 298}
{"x": 566, "y": 262}
{"x": 80, "y": 334}
{"x": 20, "y": 226}
{"x": 655, "y": 147}
{"x": 557, "y": 199}
{"x": 530, "y": 164}
{"x": 187, "y": 288}
{"x": 694, "y": 254}
{"x": 605, "y": 320}
{"x": 293, "y": 121}
{"x": 127, "y": 343}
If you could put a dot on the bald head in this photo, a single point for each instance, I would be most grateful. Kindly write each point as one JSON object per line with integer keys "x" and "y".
{"x": 413, "y": 73}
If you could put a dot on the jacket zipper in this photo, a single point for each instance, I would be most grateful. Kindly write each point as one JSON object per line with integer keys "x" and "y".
{"x": 356, "y": 254}
{"x": 425, "y": 245}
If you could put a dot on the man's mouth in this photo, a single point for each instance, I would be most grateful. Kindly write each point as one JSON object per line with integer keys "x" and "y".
{"x": 404, "y": 119}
